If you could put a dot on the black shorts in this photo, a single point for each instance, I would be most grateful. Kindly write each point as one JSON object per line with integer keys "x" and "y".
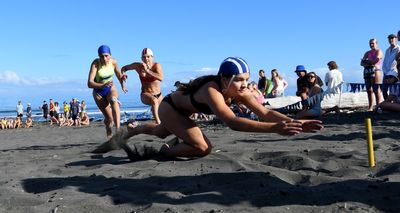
{"x": 369, "y": 73}
{"x": 19, "y": 115}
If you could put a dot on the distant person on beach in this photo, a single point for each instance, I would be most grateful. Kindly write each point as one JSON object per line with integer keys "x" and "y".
{"x": 85, "y": 119}
{"x": 302, "y": 82}
{"x": 105, "y": 92}
{"x": 66, "y": 109}
{"x": 389, "y": 65}
{"x": 3, "y": 123}
{"x": 252, "y": 86}
{"x": 74, "y": 111}
{"x": 82, "y": 108}
{"x": 333, "y": 78}
{"x": 45, "y": 110}
{"x": 314, "y": 89}
{"x": 17, "y": 122}
{"x": 371, "y": 62}
{"x": 279, "y": 84}
{"x": 28, "y": 122}
{"x": 29, "y": 111}
{"x": 392, "y": 102}
{"x": 211, "y": 94}
{"x": 53, "y": 112}
{"x": 398, "y": 55}
{"x": 20, "y": 109}
{"x": 150, "y": 75}
{"x": 264, "y": 84}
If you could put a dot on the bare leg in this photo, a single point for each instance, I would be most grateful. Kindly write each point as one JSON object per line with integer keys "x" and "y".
{"x": 394, "y": 107}
{"x": 107, "y": 112}
{"x": 115, "y": 108}
{"x": 195, "y": 144}
{"x": 370, "y": 93}
{"x": 378, "y": 93}
{"x": 154, "y": 102}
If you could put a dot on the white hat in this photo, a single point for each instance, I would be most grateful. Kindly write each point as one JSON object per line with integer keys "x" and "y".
{"x": 147, "y": 51}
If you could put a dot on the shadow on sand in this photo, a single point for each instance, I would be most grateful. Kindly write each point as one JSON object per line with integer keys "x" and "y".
{"x": 225, "y": 189}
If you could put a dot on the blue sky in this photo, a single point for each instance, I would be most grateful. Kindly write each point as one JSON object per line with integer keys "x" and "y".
{"x": 47, "y": 46}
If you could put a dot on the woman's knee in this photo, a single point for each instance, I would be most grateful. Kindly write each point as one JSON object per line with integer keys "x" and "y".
{"x": 203, "y": 149}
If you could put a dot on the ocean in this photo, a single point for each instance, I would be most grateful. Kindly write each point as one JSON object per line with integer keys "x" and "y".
{"x": 129, "y": 109}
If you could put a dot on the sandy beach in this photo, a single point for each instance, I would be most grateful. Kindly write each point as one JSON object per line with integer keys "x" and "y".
{"x": 49, "y": 169}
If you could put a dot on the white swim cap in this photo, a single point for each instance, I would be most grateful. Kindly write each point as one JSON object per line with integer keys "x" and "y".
{"x": 147, "y": 51}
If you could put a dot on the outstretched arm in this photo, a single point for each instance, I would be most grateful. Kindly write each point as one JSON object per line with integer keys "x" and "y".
{"x": 217, "y": 103}
{"x": 134, "y": 66}
{"x": 274, "y": 116}
{"x": 120, "y": 76}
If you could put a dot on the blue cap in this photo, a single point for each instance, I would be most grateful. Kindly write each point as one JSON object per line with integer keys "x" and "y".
{"x": 233, "y": 66}
{"x": 104, "y": 49}
{"x": 300, "y": 68}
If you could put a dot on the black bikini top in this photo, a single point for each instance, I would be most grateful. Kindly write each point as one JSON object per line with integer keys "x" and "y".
{"x": 204, "y": 108}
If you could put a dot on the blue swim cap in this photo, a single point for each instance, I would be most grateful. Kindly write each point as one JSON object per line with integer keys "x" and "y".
{"x": 233, "y": 66}
{"x": 104, "y": 49}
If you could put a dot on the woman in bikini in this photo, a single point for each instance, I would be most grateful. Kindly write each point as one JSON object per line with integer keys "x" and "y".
{"x": 211, "y": 95}
{"x": 105, "y": 92}
{"x": 371, "y": 62}
{"x": 150, "y": 75}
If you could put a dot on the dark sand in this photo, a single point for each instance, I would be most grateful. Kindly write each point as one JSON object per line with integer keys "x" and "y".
{"x": 50, "y": 169}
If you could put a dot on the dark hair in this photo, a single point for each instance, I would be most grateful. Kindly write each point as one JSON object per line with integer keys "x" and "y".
{"x": 261, "y": 71}
{"x": 195, "y": 84}
{"x": 332, "y": 65}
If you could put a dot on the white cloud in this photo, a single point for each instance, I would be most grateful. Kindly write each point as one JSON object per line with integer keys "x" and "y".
{"x": 207, "y": 70}
{"x": 11, "y": 77}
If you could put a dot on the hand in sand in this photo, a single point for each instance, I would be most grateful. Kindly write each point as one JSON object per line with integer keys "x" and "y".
{"x": 288, "y": 127}
{"x": 310, "y": 125}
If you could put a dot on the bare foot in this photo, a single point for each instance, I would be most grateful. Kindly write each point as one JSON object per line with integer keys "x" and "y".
{"x": 109, "y": 131}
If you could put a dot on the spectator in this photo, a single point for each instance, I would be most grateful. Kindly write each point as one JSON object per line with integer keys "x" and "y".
{"x": 371, "y": 62}
{"x": 389, "y": 66}
{"x": 28, "y": 122}
{"x": 74, "y": 111}
{"x": 302, "y": 83}
{"x": 315, "y": 110}
{"x": 29, "y": 111}
{"x": 20, "y": 109}
{"x": 256, "y": 92}
{"x": 45, "y": 110}
{"x": 85, "y": 119}
{"x": 279, "y": 84}
{"x": 333, "y": 77}
{"x": 264, "y": 84}
{"x": 66, "y": 110}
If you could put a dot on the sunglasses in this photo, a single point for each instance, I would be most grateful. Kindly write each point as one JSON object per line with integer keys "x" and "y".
{"x": 311, "y": 76}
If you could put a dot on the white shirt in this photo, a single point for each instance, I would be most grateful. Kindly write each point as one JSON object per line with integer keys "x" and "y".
{"x": 332, "y": 79}
{"x": 389, "y": 63}
{"x": 281, "y": 85}
{"x": 20, "y": 109}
